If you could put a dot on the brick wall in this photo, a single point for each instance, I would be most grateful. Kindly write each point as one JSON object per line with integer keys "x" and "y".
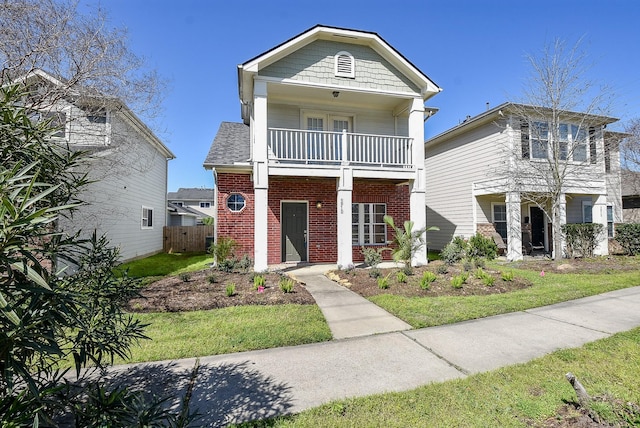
{"x": 397, "y": 200}
{"x": 486, "y": 229}
{"x": 236, "y": 225}
{"x": 322, "y": 228}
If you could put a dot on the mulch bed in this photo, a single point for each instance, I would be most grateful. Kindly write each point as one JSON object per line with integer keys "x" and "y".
{"x": 174, "y": 294}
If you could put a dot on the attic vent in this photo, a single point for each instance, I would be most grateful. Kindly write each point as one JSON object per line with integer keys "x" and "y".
{"x": 345, "y": 65}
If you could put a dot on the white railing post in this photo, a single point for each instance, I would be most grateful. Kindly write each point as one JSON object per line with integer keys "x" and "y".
{"x": 345, "y": 142}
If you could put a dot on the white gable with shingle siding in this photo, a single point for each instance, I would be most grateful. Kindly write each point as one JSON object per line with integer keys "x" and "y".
{"x": 315, "y": 63}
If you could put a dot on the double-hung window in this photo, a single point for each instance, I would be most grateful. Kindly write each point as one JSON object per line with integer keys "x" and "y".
{"x": 610, "y": 221}
{"x": 540, "y": 140}
{"x": 500, "y": 219}
{"x": 147, "y": 218}
{"x": 367, "y": 224}
{"x": 205, "y": 204}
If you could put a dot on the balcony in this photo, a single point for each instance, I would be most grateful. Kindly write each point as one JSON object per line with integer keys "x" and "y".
{"x": 324, "y": 148}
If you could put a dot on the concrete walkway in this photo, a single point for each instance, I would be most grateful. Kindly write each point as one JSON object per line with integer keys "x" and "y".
{"x": 347, "y": 313}
{"x": 259, "y": 384}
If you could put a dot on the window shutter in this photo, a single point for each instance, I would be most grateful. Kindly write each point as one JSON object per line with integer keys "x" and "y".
{"x": 592, "y": 145}
{"x": 524, "y": 139}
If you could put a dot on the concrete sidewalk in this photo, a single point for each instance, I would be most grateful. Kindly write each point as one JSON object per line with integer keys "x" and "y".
{"x": 259, "y": 384}
{"x": 347, "y": 313}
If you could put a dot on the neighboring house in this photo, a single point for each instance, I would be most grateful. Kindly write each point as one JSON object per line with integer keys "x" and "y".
{"x": 331, "y": 141}
{"x": 631, "y": 196}
{"x": 127, "y": 165}
{"x": 471, "y": 185}
{"x": 198, "y": 200}
{"x": 178, "y": 215}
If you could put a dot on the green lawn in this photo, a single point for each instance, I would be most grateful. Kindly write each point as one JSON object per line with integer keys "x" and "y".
{"x": 552, "y": 288}
{"x": 516, "y": 396}
{"x": 190, "y": 334}
{"x": 163, "y": 264}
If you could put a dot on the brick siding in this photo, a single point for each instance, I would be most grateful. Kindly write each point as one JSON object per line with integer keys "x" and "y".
{"x": 322, "y": 228}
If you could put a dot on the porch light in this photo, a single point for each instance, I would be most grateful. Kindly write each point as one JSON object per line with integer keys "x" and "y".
{"x": 318, "y": 204}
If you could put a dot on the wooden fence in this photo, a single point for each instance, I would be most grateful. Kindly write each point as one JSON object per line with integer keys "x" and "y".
{"x": 186, "y": 239}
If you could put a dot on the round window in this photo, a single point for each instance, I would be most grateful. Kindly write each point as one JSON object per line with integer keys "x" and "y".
{"x": 235, "y": 202}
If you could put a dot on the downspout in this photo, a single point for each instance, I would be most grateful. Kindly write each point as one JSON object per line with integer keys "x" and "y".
{"x": 215, "y": 201}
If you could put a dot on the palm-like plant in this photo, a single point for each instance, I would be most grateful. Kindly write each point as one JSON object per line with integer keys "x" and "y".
{"x": 406, "y": 240}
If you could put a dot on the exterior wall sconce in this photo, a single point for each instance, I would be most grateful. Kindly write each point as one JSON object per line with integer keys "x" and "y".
{"x": 318, "y": 204}
{"x": 335, "y": 94}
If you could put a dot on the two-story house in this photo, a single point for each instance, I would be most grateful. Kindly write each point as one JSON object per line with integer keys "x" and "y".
{"x": 331, "y": 140}
{"x": 126, "y": 163}
{"x": 196, "y": 200}
{"x": 497, "y": 171}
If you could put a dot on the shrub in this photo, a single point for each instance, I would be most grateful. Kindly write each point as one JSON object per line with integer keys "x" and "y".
{"x": 628, "y": 236}
{"x": 231, "y": 289}
{"x": 479, "y": 273}
{"x": 213, "y": 278}
{"x": 488, "y": 280}
{"x": 258, "y": 281}
{"x": 407, "y": 270}
{"x": 228, "y": 265}
{"x": 442, "y": 269}
{"x": 454, "y": 251}
{"x": 374, "y": 273}
{"x": 458, "y": 280}
{"x": 383, "y": 282}
{"x": 581, "y": 238}
{"x": 185, "y": 277}
{"x": 372, "y": 256}
{"x": 223, "y": 248}
{"x": 244, "y": 264}
{"x": 467, "y": 264}
{"x": 480, "y": 246}
{"x": 427, "y": 278}
{"x": 507, "y": 276}
{"x": 401, "y": 276}
{"x": 286, "y": 284}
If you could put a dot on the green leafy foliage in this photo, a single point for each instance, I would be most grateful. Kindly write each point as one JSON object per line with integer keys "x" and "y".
{"x": 286, "y": 284}
{"x": 60, "y": 296}
{"x": 372, "y": 256}
{"x": 628, "y": 236}
{"x": 507, "y": 275}
{"x": 581, "y": 238}
{"x": 459, "y": 280}
{"x": 383, "y": 282}
{"x": 454, "y": 251}
{"x": 479, "y": 246}
{"x": 427, "y": 278}
{"x": 406, "y": 240}
{"x": 401, "y": 276}
{"x": 223, "y": 249}
{"x": 230, "y": 289}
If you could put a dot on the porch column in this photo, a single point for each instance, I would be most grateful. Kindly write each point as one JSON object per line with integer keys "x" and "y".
{"x": 345, "y": 192}
{"x": 260, "y": 176}
{"x": 599, "y": 215}
{"x": 417, "y": 196}
{"x": 562, "y": 219}
{"x": 514, "y": 226}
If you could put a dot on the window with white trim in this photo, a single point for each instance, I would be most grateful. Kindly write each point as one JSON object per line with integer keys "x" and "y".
{"x": 344, "y": 65}
{"x": 205, "y": 204}
{"x": 610, "y": 221}
{"x": 367, "y": 224}
{"x": 572, "y": 142}
{"x": 235, "y": 202}
{"x": 147, "y": 218}
{"x": 499, "y": 214}
{"x": 587, "y": 212}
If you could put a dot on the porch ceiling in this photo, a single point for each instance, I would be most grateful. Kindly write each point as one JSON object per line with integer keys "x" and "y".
{"x": 324, "y": 96}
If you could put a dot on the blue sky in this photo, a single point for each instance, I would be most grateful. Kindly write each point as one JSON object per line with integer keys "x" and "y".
{"x": 474, "y": 50}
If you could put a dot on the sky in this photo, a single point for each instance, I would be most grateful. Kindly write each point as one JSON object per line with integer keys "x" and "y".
{"x": 476, "y": 51}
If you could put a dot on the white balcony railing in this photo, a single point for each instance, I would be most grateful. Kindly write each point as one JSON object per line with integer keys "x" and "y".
{"x": 335, "y": 148}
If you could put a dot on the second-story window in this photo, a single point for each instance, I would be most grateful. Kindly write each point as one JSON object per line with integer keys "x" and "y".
{"x": 205, "y": 204}
{"x": 570, "y": 142}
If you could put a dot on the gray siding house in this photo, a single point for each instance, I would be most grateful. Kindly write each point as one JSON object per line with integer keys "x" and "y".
{"x": 477, "y": 172}
{"x": 128, "y": 167}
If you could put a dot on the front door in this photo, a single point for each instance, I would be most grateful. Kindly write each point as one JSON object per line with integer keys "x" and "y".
{"x": 537, "y": 227}
{"x": 294, "y": 232}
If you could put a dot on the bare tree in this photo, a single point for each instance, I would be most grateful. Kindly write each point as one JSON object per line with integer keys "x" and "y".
{"x": 561, "y": 117}
{"x": 87, "y": 55}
